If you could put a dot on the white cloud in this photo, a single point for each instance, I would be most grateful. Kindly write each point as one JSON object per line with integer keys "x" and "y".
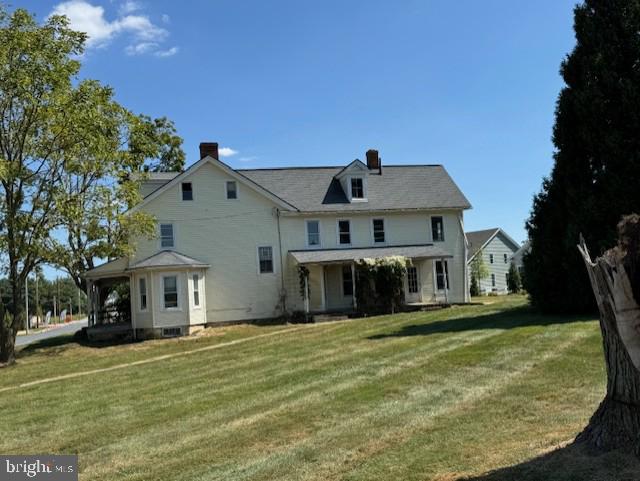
{"x": 166, "y": 18}
{"x": 227, "y": 152}
{"x": 145, "y": 36}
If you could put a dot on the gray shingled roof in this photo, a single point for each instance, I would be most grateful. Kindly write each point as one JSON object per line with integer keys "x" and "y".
{"x": 168, "y": 259}
{"x": 314, "y": 189}
{"x": 343, "y": 255}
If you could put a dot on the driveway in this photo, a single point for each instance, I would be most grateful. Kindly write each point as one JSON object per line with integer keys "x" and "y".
{"x": 64, "y": 329}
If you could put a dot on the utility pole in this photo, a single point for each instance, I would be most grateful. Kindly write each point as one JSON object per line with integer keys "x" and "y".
{"x": 55, "y": 311}
{"x": 79, "y": 310}
{"x": 26, "y": 303}
{"x": 37, "y": 303}
{"x": 70, "y": 309}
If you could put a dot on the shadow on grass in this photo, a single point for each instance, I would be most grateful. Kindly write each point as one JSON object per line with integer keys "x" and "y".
{"x": 510, "y": 319}
{"x": 54, "y": 346}
{"x": 570, "y": 463}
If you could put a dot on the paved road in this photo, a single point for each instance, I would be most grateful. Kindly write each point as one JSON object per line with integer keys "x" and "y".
{"x": 70, "y": 328}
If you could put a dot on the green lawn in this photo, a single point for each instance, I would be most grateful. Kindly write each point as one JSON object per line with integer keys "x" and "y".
{"x": 441, "y": 395}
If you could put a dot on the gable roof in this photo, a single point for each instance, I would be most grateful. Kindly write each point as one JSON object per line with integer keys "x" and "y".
{"x": 228, "y": 170}
{"x": 356, "y": 164}
{"x": 167, "y": 258}
{"x": 480, "y": 238}
{"x": 400, "y": 187}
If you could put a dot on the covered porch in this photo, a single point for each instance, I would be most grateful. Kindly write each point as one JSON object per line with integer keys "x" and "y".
{"x": 331, "y": 283}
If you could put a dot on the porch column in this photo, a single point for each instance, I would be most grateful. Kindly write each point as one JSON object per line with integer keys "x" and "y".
{"x": 90, "y": 307}
{"x": 445, "y": 273}
{"x": 306, "y": 294}
{"x": 322, "y": 289}
{"x": 353, "y": 283}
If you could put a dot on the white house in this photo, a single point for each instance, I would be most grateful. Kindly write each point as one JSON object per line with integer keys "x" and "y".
{"x": 229, "y": 242}
{"x": 497, "y": 250}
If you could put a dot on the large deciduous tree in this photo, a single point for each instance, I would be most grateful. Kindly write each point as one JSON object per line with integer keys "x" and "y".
{"x": 615, "y": 278}
{"x": 596, "y": 173}
{"x": 70, "y": 160}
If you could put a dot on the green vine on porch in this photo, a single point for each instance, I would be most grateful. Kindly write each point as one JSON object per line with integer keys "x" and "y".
{"x": 380, "y": 284}
{"x": 303, "y": 278}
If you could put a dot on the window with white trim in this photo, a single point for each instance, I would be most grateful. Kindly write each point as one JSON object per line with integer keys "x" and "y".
{"x": 490, "y": 258}
{"x": 187, "y": 191}
{"x": 167, "y": 239}
{"x": 170, "y": 290}
{"x": 412, "y": 279}
{"x": 142, "y": 291}
{"x": 344, "y": 232}
{"x": 196, "y": 290}
{"x": 357, "y": 188}
{"x": 232, "y": 189}
{"x": 347, "y": 280}
{"x": 265, "y": 259}
{"x": 313, "y": 233}
{"x": 506, "y": 258}
{"x": 493, "y": 280}
{"x": 378, "y": 231}
{"x": 442, "y": 275}
{"x": 437, "y": 229}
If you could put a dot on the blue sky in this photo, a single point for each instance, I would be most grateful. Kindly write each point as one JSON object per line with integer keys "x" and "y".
{"x": 468, "y": 84}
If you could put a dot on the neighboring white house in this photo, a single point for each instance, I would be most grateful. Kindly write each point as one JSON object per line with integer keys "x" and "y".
{"x": 229, "y": 242}
{"x": 498, "y": 250}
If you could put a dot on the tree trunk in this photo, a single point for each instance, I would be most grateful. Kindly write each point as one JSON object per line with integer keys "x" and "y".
{"x": 7, "y": 345}
{"x": 616, "y": 422}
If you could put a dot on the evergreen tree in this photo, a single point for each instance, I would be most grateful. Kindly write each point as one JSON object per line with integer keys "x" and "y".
{"x": 514, "y": 285}
{"x": 474, "y": 288}
{"x": 595, "y": 177}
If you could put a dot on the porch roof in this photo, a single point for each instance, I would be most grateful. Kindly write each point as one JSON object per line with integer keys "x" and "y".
{"x": 326, "y": 256}
{"x": 167, "y": 259}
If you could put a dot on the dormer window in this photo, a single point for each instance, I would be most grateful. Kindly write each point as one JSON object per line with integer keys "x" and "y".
{"x": 357, "y": 188}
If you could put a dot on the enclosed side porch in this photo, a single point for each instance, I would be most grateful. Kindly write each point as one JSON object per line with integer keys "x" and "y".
{"x": 332, "y": 281}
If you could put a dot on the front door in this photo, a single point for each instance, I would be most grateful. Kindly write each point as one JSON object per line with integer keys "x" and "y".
{"x": 412, "y": 285}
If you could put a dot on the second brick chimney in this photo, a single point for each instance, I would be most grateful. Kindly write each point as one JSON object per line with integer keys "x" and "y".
{"x": 210, "y": 149}
{"x": 373, "y": 159}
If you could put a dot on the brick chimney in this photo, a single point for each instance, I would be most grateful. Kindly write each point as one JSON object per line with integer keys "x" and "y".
{"x": 373, "y": 160}
{"x": 210, "y": 149}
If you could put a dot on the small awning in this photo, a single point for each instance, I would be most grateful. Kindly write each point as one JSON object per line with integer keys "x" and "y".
{"x": 165, "y": 259}
{"x": 326, "y": 256}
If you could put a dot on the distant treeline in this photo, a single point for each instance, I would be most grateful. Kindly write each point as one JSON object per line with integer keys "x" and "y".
{"x": 64, "y": 290}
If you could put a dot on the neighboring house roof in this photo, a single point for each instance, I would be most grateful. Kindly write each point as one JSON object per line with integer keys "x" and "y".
{"x": 480, "y": 238}
{"x": 167, "y": 259}
{"x": 519, "y": 254}
{"x": 339, "y": 255}
{"x": 400, "y": 187}
{"x": 108, "y": 269}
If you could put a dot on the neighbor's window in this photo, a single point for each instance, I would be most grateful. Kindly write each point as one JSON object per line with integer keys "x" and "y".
{"x": 232, "y": 189}
{"x": 378, "y": 231}
{"x": 170, "y": 287}
{"x": 196, "y": 290}
{"x": 142, "y": 288}
{"x": 344, "y": 232}
{"x": 166, "y": 236}
{"x": 493, "y": 280}
{"x": 490, "y": 258}
{"x": 442, "y": 275}
{"x": 265, "y": 257}
{"x": 505, "y": 258}
{"x": 437, "y": 229}
{"x": 187, "y": 191}
{"x": 412, "y": 279}
{"x": 347, "y": 280}
{"x": 357, "y": 188}
{"x": 313, "y": 233}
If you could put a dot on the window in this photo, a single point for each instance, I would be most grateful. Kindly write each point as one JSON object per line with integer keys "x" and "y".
{"x": 506, "y": 278}
{"x": 378, "y": 231}
{"x": 493, "y": 280}
{"x": 232, "y": 189}
{"x": 344, "y": 232}
{"x": 171, "y": 331}
{"x": 412, "y": 279}
{"x": 166, "y": 236}
{"x": 357, "y": 188}
{"x": 142, "y": 289}
{"x": 170, "y": 287}
{"x": 187, "y": 191}
{"x": 490, "y": 258}
{"x": 313, "y": 233}
{"x": 437, "y": 229}
{"x": 265, "y": 258}
{"x": 442, "y": 275}
{"x": 196, "y": 290}
{"x": 347, "y": 280}
{"x": 505, "y": 258}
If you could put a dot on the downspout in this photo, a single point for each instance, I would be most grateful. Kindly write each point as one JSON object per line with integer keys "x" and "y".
{"x": 465, "y": 268}
{"x": 284, "y": 297}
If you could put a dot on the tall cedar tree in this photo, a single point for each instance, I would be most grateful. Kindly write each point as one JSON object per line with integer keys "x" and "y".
{"x": 595, "y": 178}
